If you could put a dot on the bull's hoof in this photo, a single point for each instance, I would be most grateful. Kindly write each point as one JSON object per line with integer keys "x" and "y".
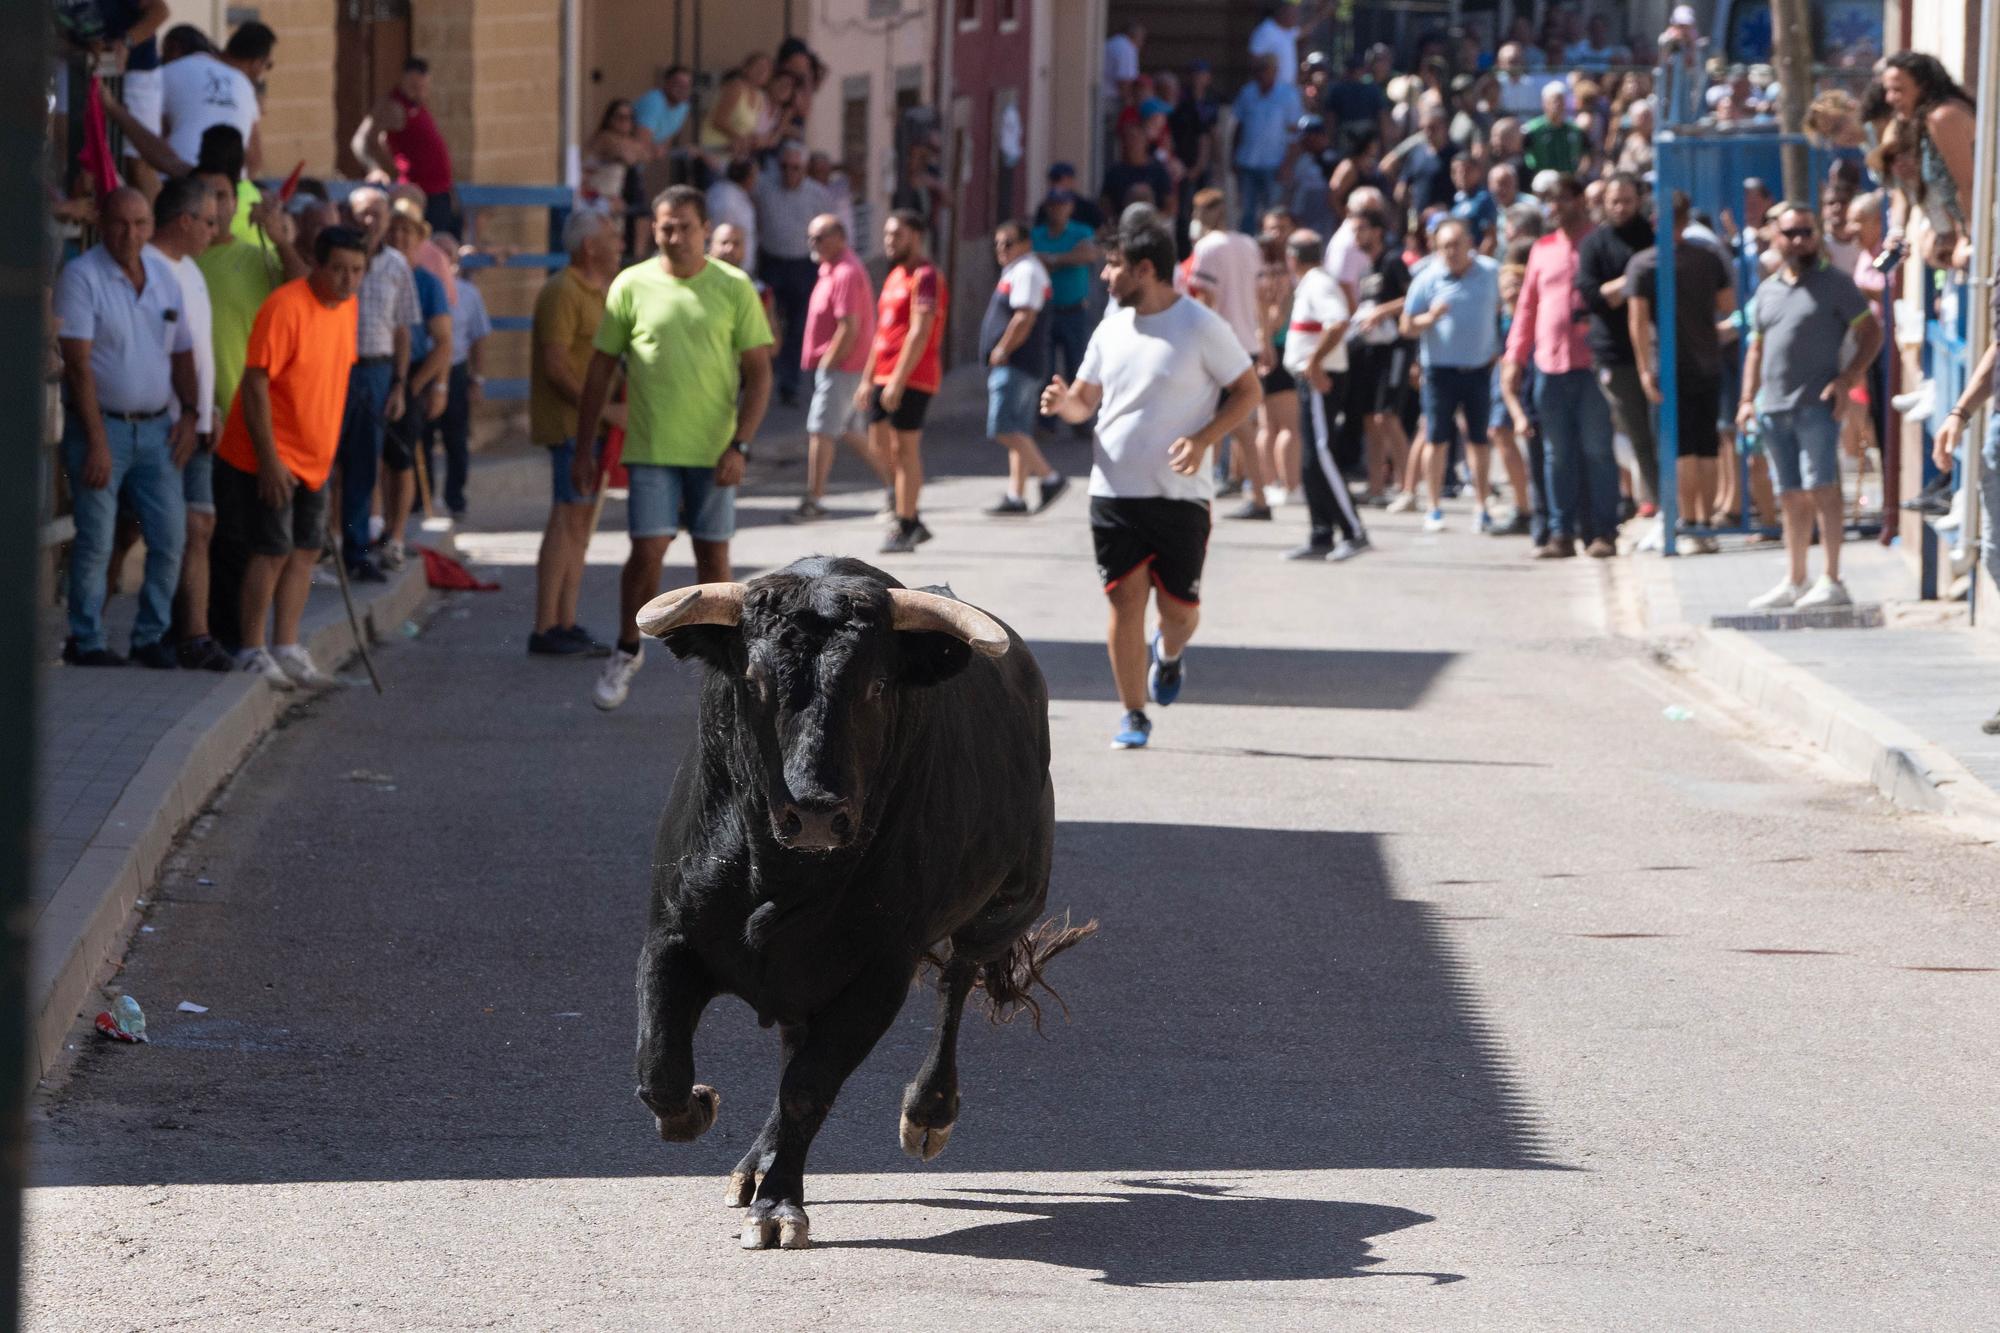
{"x": 780, "y": 1225}
{"x": 742, "y": 1189}
{"x": 924, "y": 1142}
{"x": 691, "y": 1121}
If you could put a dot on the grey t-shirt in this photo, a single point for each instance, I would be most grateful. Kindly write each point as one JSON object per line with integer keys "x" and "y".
{"x": 1801, "y": 325}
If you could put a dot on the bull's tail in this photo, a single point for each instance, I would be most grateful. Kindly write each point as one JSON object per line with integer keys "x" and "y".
{"x": 1011, "y": 979}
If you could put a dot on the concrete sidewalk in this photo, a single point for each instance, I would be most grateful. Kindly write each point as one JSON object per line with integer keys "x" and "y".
{"x": 1897, "y": 699}
{"x": 128, "y": 758}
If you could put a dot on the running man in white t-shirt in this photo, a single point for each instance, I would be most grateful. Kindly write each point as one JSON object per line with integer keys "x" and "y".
{"x": 1153, "y": 375}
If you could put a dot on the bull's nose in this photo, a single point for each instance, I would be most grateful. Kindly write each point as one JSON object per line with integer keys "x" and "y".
{"x": 817, "y": 825}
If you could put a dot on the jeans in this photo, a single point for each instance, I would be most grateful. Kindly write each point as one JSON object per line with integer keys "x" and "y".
{"x": 1259, "y": 188}
{"x": 452, "y": 429}
{"x": 1582, "y": 465}
{"x": 791, "y": 282}
{"x": 1632, "y": 414}
{"x": 1802, "y": 446}
{"x": 1989, "y": 494}
{"x": 1328, "y": 500}
{"x": 143, "y": 473}
{"x": 360, "y": 452}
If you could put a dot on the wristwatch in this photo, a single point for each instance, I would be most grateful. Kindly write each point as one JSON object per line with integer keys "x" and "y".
{"x": 741, "y": 448}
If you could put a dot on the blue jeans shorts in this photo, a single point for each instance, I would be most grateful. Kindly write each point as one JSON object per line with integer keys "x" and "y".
{"x": 1447, "y": 389}
{"x": 661, "y": 499}
{"x": 1803, "y": 446}
{"x": 1012, "y": 398}
{"x": 561, "y": 489}
{"x": 198, "y": 482}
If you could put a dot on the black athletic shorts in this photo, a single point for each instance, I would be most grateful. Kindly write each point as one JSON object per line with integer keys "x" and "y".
{"x": 1277, "y": 380}
{"x": 242, "y": 517}
{"x": 1167, "y": 537}
{"x": 399, "y": 437}
{"x": 909, "y": 413}
{"x": 1701, "y": 399}
{"x": 1380, "y": 375}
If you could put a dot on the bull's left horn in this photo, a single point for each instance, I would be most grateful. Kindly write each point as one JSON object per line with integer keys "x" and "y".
{"x": 915, "y": 610}
{"x": 699, "y": 604}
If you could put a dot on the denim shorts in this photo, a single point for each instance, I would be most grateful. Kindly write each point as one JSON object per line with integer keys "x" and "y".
{"x": 198, "y": 482}
{"x": 1013, "y": 397}
{"x": 561, "y": 458}
{"x": 1803, "y": 446}
{"x": 832, "y": 410}
{"x": 1446, "y": 390}
{"x": 662, "y": 499}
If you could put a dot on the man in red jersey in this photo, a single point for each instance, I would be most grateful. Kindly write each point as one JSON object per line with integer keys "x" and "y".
{"x": 909, "y": 325}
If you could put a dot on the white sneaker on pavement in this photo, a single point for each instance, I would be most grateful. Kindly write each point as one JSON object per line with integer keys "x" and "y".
{"x": 616, "y": 682}
{"x": 1826, "y": 592}
{"x": 1434, "y": 521}
{"x": 1404, "y": 503}
{"x": 297, "y": 663}
{"x": 260, "y": 663}
{"x": 1784, "y": 595}
{"x": 390, "y": 555}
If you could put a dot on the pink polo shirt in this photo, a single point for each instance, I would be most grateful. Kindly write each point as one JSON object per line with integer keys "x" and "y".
{"x": 1549, "y": 315}
{"x": 842, "y": 290}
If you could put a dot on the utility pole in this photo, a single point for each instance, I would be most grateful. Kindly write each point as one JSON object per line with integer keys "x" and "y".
{"x": 1792, "y": 54}
{"x": 24, "y": 120}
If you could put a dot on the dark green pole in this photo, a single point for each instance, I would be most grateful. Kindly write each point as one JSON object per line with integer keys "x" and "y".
{"x": 23, "y": 354}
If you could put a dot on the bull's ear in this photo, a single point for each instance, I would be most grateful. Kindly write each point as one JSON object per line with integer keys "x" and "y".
{"x": 930, "y": 658}
{"x": 720, "y": 646}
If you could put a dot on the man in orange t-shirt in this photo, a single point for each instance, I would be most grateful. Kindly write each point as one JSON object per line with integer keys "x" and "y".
{"x": 909, "y": 325}
{"x": 278, "y": 447}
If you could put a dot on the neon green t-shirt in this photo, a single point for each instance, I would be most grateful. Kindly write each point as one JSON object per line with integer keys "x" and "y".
{"x": 682, "y": 341}
{"x": 248, "y": 196}
{"x": 239, "y": 276}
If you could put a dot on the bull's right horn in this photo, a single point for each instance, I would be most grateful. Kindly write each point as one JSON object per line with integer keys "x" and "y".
{"x": 698, "y": 604}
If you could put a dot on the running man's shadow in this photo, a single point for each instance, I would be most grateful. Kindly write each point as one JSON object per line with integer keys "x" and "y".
{"x": 1168, "y": 1232}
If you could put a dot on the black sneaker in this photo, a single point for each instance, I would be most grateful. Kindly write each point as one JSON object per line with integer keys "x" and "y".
{"x": 1006, "y": 506}
{"x": 593, "y": 647}
{"x": 103, "y": 657}
{"x": 156, "y": 655}
{"x": 922, "y": 534}
{"x": 1991, "y": 726}
{"x": 204, "y": 654}
{"x": 809, "y": 510}
{"x": 555, "y": 643}
{"x": 1310, "y": 551}
{"x": 1052, "y": 491}
{"x": 366, "y": 571}
{"x": 902, "y": 540}
{"x": 1251, "y": 509}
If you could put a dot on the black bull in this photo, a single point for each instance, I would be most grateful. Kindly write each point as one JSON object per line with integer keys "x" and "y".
{"x": 868, "y": 789}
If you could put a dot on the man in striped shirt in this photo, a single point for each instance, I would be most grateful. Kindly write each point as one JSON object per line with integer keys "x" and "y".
{"x": 386, "y": 308}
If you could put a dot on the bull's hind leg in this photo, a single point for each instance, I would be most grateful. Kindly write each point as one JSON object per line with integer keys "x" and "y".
{"x": 673, "y": 990}
{"x": 930, "y": 1102}
{"x": 837, "y": 1039}
{"x": 743, "y": 1180}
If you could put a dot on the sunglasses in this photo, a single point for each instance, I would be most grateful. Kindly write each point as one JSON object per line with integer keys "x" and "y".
{"x": 1798, "y": 233}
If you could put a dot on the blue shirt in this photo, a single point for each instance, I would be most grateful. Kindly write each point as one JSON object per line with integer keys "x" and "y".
{"x": 469, "y": 322}
{"x": 1468, "y": 336}
{"x": 1069, "y": 285}
{"x": 1477, "y": 211}
{"x": 431, "y": 303}
{"x": 133, "y": 335}
{"x": 1264, "y": 122}
{"x": 652, "y": 114}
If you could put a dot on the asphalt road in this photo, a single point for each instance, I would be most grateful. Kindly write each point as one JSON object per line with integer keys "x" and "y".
{"x": 1442, "y": 983}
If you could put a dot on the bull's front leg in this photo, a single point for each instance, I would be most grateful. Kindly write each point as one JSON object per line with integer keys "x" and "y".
{"x": 837, "y": 1040}
{"x": 674, "y": 988}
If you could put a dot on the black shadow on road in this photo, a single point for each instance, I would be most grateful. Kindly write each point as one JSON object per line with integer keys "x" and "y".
{"x": 1163, "y": 1233}
{"x": 1263, "y": 677}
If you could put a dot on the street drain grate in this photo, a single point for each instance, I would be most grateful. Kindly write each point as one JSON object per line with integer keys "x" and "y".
{"x": 1865, "y": 616}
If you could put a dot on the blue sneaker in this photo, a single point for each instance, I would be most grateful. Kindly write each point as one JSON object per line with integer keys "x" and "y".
{"x": 1163, "y": 681}
{"x": 1133, "y": 732}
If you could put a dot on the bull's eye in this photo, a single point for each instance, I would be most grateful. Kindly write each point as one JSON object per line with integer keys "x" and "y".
{"x": 760, "y": 683}
{"x": 877, "y": 686}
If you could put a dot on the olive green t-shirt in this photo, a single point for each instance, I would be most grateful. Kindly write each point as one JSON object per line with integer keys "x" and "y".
{"x": 567, "y": 313}
{"x": 682, "y": 341}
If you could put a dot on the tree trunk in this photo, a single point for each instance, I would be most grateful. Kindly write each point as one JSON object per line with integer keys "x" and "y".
{"x": 1791, "y": 53}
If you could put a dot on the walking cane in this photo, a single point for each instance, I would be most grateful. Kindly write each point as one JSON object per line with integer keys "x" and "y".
{"x": 354, "y": 620}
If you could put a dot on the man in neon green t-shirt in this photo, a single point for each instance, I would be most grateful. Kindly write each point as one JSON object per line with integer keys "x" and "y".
{"x": 691, "y": 332}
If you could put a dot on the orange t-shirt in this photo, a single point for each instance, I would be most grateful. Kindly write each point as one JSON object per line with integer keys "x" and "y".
{"x": 307, "y": 348}
{"x": 905, "y": 293}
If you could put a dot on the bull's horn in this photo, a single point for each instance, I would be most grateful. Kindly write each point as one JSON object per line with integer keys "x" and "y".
{"x": 699, "y": 604}
{"x": 947, "y": 615}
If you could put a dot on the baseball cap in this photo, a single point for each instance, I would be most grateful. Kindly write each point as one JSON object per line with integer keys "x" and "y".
{"x": 1556, "y": 86}
{"x": 1683, "y": 16}
{"x": 1311, "y": 124}
{"x": 1462, "y": 83}
{"x": 1153, "y": 106}
{"x": 1061, "y": 171}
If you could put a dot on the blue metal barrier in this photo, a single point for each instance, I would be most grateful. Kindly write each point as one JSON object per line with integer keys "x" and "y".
{"x": 558, "y": 200}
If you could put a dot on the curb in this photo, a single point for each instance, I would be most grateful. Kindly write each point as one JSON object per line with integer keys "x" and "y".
{"x": 1904, "y": 767}
{"x": 84, "y": 928}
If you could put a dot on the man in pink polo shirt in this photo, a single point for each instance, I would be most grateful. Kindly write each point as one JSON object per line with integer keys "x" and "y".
{"x": 840, "y": 328}
{"x": 1550, "y": 325}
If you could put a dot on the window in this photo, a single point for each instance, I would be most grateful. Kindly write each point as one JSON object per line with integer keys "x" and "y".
{"x": 1010, "y": 14}
{"x": 884, "y": 9}
{"x": 968, "y": 15}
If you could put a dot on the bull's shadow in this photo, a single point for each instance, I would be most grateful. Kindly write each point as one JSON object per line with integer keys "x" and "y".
{"x": 1157, "y": 1232}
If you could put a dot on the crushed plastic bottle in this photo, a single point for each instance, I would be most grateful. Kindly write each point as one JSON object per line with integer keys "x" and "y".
{"x": 1676, "y": 713}
{"x": 123, "y": 1021}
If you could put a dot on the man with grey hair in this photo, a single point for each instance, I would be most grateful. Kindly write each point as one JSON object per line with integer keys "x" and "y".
{"x": 567, "y": 313}
{"x": 787, "y": 202}
{"x": 385, "y": 310}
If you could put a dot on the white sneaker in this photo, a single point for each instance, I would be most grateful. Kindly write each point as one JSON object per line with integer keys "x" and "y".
{"x": 297, "y": 663}
{"x": 1295, "y": 495}
{"x": 260, "y": 663}
{"x": 390, "y": 556}
{"x": 1826, "y": 592}
{"x": 616, "y": 682}
{"x": 375, "y": 528}
{"x": 1434, "y": 521}
{"x": 1784, "y": 595}
{"x": 1954, "y": 518}
{"x": 1274, "y": 496}
{"x": 1404, "y": 503}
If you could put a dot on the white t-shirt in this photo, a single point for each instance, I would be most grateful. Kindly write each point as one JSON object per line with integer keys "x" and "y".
{"x": 200, "y": 318}
{"x": 1345, "y": 259}
{"x": 1121, "y": 65}
{"x": 1317, "y": 304}
{"x": 198, "y": 91}
{"x": 1026, "y": 283}
{"x": 1226, "y": 263}
{"x": 1274, "y": 39}
{"x": 1163, "y": 376}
